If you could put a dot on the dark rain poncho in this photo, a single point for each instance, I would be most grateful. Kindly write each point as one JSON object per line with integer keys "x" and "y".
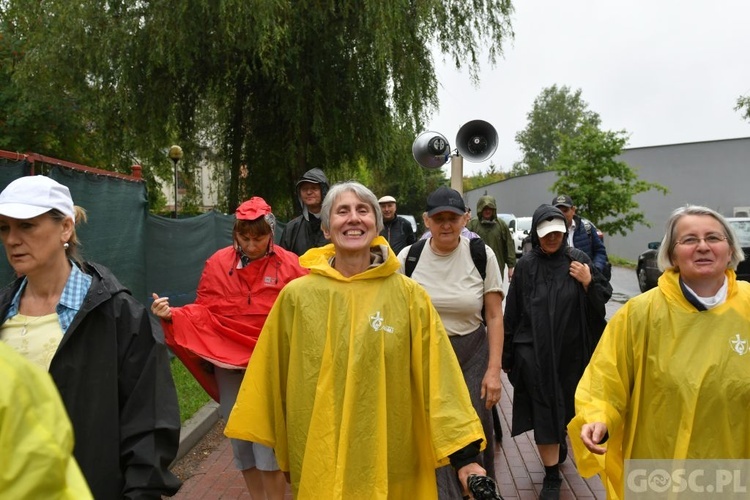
{"x": 551, "y": 328}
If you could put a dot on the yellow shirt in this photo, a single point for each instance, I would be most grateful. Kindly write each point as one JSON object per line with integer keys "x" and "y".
{"x": 355, "y": 385}
{"x": 36, "y": 338}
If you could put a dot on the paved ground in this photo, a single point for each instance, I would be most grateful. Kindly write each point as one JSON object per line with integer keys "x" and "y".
{"x": 519, "y": 470}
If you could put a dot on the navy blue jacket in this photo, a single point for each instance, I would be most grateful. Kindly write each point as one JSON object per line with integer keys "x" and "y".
{"x": 591, "y": 245}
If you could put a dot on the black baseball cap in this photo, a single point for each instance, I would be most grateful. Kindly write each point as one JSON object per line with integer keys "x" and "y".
{"x": 562, "y": 200}
{"x": 445, "y": 199}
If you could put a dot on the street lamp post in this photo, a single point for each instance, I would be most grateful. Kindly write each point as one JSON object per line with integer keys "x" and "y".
{"x": 175, "y": 154}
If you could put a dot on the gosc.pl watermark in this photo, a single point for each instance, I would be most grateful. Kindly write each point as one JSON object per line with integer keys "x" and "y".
{"x": 686, "y": 479}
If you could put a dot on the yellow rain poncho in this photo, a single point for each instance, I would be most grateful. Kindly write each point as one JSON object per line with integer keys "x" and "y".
{"x": 36, "y": 438}
{"x": 669, "y": 381}
{"x": 355, "y": 385}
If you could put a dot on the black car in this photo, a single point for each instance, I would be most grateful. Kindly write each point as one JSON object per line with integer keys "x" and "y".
{"x": 648, "y": 272}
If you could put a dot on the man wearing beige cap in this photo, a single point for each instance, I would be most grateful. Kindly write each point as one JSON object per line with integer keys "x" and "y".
{"x": 396, "y": 230}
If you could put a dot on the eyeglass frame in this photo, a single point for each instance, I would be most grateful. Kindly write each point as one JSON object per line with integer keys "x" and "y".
{"x": 716, "y": 239}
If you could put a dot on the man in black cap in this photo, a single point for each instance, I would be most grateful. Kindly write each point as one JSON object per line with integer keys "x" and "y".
{"x": 583, "y": 235}
{"x": 303, "y": 232}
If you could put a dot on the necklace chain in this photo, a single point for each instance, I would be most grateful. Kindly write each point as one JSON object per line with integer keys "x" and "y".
{"x": 28, "y": 322}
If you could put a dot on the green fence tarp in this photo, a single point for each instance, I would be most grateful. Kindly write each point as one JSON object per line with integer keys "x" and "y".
{"x": 147, "y": 253}
{"x": 177, "y": 249}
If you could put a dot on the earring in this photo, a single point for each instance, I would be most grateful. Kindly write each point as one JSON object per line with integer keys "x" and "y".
{"x": 66, "y": 245}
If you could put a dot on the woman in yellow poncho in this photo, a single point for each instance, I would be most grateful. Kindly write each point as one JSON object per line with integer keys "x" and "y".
{"x": 353, "y": 381}
{"x": 670, "y": 378}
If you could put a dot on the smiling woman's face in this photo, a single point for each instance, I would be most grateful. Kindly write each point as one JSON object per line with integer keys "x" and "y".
{"x": 702, "y": 261}
{"x": 353, "y": 224}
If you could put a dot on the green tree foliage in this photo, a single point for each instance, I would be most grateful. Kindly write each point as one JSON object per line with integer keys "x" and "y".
{"x": 602, "y": 187}
{"x": 489, "y": 176}
{"x": 743, "y": 106}
{"x": 556, "y": 113}
{"x": 266, "y": 90}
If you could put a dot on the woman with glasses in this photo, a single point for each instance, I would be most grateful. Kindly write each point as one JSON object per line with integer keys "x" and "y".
{"x": 670, "y": 378}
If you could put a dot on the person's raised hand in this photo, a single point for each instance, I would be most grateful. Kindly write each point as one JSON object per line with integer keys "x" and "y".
{"x": 160, "y": 307}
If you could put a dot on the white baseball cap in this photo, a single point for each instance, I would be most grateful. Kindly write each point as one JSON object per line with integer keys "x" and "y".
{"x": 550, "y": 226}
{"x": 33, "y": 195}
{"x": 387, "y": 199}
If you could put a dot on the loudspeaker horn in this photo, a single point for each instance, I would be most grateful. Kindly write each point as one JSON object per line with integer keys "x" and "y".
{"x": 431, "y": 149}
{"x": 476, "y": 140}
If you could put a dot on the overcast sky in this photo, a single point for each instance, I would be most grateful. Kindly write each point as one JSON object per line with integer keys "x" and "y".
{"x": 666, "y": 71}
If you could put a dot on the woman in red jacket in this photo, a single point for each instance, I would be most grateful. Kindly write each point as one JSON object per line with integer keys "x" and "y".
{"x": 215, "y": 336}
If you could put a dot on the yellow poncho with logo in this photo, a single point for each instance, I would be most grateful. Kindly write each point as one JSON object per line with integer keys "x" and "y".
{"x": 355, "y": 385}
{"x": 669, "y": 381}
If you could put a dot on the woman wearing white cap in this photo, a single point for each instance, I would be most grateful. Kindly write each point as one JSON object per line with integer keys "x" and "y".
{"x": 554, "y": 316}
{"x": 76, "y": 320}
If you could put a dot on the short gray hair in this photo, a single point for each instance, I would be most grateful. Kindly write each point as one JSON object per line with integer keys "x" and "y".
{"x": 664, "y": 258}
{"x": 360, "y": 191}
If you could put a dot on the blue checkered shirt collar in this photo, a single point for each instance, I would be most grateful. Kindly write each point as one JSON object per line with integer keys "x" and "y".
{"x": 71, "y": 300}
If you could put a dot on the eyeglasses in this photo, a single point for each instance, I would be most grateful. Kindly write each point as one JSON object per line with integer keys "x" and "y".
{"x": 694, "y": 241}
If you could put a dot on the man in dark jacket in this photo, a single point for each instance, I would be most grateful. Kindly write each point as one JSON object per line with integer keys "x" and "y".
{"x": 396, "y": 230}
{"x": 582, "y": 234}
{"x": 303, "y": 232}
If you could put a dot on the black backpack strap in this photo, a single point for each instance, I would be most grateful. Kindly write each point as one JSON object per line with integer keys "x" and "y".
{"x": 479, "y": 256}
{"x": 413, "y": 257}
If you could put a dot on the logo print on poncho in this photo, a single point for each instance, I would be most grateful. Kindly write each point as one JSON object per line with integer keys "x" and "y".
{"x": 738, "y": 345}
{"x": 376, "y": 322}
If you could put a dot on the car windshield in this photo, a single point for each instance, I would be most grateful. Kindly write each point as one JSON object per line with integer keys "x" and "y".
{"x": 506, "y": 217}
{"x": 523, "y": 224}
{"x": 742, "y": 228}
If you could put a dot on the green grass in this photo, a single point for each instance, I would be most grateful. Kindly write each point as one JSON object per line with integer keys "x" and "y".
{"x": 620, "y": 262}
{"x": 190, "y": 395}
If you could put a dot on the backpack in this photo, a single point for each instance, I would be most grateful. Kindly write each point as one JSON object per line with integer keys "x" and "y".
{"x": 607, "y": 271}
{"x": 478, "y": 255}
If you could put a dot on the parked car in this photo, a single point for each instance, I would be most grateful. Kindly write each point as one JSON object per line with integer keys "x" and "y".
{"x": 520, "y": 231}
{"x": 648, "y": 272}
{"x": 507, "y": 218}
{"x": 411, "y": 220}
